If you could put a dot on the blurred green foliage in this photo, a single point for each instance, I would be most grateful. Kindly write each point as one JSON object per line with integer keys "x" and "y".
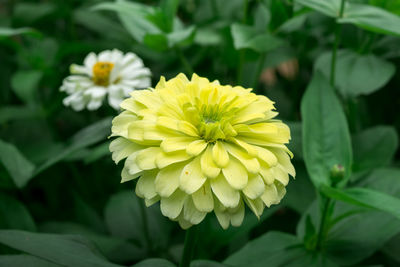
{"x": 61, "y": 203}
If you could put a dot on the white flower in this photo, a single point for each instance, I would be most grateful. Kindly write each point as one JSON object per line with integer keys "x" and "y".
{"x": 109, "y": 73}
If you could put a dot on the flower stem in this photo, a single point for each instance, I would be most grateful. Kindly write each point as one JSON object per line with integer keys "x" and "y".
{"x": 185, "y": 63}
{"x": 259, "y": 69}
{"x": 145, "y": 225}
{"x": 190, "y": 243}
{"x": 338, "y": 30}
{"x": 322, "y": 225}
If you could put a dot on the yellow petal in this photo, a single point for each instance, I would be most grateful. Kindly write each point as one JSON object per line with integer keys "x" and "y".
{"x": 131, "y": 167}
{"x": 167, "y": 180}
{"x": 256, "y": 205}
{"x": 237, "y": 215}
{"x": 203, "y": 198}
{"x": 146, "y": 158}
{"x": 122, "y": 148}
{"x": 267, "y": 156}
{"x": 280, "y": 174}
{"x": 196, "y": 147}
{"x": 255, "y": 187}
{"x": 150, "y": 202}
{"x": 270, "y": 195}
{"x": 223, "y": 217}
{"x": 187, "y": 128}
{"x": 220, "y": 156}
{"x": 145, "y": 186}
{"x": 284, "y": 161}
{"x": 267, "y": 174}
{"x": 208, "y": 166}
{"x": 176, "y": 143}
{"x": 128, "y": 177}
{"x": 191, "y": 213}
{"x": 227, "y": 195}
{"x": 164, "y": 159}
{"x": 236, "y": 174}
{"x": 172, "y": 206}
{"x": 252, "y": 165}
{"x": 191, "y": 177}
{"x": 121, "y": 123}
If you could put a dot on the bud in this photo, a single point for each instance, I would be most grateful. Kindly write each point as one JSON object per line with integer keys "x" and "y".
{"x": 337, "y": 174}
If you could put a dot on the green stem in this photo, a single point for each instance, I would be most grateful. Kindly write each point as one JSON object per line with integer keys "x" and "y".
{"x": 185, "y": 63}
{"x": 145, "y": 226}
{"x": 322, "y": 225}
{"x": 190, "y": 243}
{"x": 259, "y": 69}
{"x": 338, "y": 30}
{"x": 239, "y": 74}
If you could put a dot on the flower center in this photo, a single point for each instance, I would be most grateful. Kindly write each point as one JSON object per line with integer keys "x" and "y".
{"x": 214, "y": 123}
{"x": 101, "y": 73}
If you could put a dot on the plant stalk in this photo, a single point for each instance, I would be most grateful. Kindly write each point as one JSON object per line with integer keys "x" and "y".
{"x": 322, "y": 225}
{"x": 188, "y": 68}
{"x": 259, "y": 69}
{"x": 145, "y": 226}
{"x": 188, "y": 249}
{"x": 338, "y": 31}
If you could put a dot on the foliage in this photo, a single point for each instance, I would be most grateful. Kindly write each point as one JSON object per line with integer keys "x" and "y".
{"x": 329, "y": 65}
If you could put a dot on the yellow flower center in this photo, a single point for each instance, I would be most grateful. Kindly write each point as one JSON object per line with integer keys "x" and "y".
{"x": 101, "y": 73}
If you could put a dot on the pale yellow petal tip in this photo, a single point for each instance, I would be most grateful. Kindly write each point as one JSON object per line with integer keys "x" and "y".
{"x": 199, "y": 147}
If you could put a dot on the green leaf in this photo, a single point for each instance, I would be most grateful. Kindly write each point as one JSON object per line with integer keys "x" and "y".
{"x": 66, "y": 250}
{"x": 384, "y": 180}
{"x": 115, "y": 249}
{"x": 371, "y": 18}
{"x": 392, "y": 248}
{"x": 124, "y": 219}
{"x": 169, "y": 8}
{"x": 207, "y": 263}
{"x": 326, "y": 137}
{"x": 19, "y": 168}
{"x": 28, "y": 13}
{"x": 8, "y": 113}
{"x": 88, "y": 136}
{"x": 156, "y": 41}
{"x": 154, "y": 263}
{"x": 356, "y": 74}
{"x": 25, "y": 84}
{"x": 247, "y": 37}
{"x": 207, "y": 36}
{"x": 181, "y": 37}
{"x": 133, "y": 16}
{"x": 364, "y": 197}
{"x": 328, "y": 7}
{"x": 98, "y": 152}
{"x": 364, "y": 16}
{"x": 374, "y": 147}
{"x": 14, "y": 215}
{"x": 11, "y": 32}
{"x": 276, "y": 249}
{"x": 23, "y": 260}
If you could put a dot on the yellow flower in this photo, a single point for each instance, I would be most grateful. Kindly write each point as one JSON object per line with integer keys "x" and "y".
{"x": 199, "y": 147}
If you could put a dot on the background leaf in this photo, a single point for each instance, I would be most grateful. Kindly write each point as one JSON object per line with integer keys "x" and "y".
{"x": 326, "y": 138}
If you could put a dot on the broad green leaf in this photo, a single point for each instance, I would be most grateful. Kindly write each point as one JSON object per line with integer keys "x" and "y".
{"x": 8, "y": 113}
{"x": 247, "y": 37}
{"x": 207, "y": 263}
{"x": 276, "y": 249}
{"x": 133, "y": 16}
{"x": 115, "y": 249}
{"x": 392, "y": 248}
{"x": 364, "y": 197}
{"x": 364, "y": 16}
{"x": 66, "y": 250}
{"x": 23, "y": 260}
{"x": 14, "y": 215}
{"x": 326, "y": 137}
{"x": 86, "y": 215}
{"x": 293, "y": 24}
{"x": 124, "y": 219}
{"x": 101, "y": 24}
{"x": 11, "y": 32}
{"x": 207, "y": 36}
{"x": 98, "y": 152}
{"x": 374, "y": 147}
{"x": 356, "y": 74}
{"x": 347, "y": 244}
{"x": 181, "y": 37}
{"x": 19, "y": 168}
{"x": 154, "y": 263}
{"x": 262, "y": 17}
{"x": 28, "y": 13}
{"x": 169, "y": 8}
{"x": 328, "y": 7}
{"x": 371, "y": 18}
{"x": 156, "y": 41}
{"x": 25, "y": 84}
{"x": 88, "y": 136}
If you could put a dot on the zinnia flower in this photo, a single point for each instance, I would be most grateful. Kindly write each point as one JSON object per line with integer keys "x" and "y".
{"x": 110, "y": 73}
{"x": 199, "y": 147}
